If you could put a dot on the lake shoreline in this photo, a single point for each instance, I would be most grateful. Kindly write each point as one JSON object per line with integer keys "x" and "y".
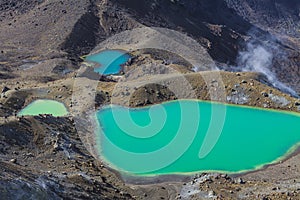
{"x": 149, "y": 179}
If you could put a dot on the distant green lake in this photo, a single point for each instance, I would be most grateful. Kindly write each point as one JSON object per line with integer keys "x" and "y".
{"x": 189, "y": 136}
{"x": 44, "y": 106}
{"x": 108, "y": 61}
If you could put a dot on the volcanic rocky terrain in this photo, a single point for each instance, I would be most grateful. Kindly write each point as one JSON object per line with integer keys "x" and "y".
{"x": 41, "y": 48}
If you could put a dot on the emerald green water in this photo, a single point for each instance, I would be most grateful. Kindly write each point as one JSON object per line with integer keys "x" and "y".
{"x": 37, "y": 107}
{"x": 189, "y": 136}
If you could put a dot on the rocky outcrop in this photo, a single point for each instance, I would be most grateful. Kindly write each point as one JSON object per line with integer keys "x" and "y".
{"x": 43, "y": 158}
{"x": 281, "y": 15}
{"x": 85, "y": 33}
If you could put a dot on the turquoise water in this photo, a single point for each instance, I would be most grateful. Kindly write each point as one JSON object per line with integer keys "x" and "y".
{"x": 44, "y": 106}
{"x": 109, "y": 61}
{"x": 189, "y": 136}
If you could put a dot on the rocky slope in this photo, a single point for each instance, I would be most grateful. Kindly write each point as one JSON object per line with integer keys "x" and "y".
{"x": 281, "y": 16}
{"x": 44, "y": 157}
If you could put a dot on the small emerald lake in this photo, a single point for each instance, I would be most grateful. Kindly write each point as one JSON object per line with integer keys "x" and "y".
{"x": 190, "y": 136}
{"x": 108, "y": 61}
{"x": 44, "y": 106}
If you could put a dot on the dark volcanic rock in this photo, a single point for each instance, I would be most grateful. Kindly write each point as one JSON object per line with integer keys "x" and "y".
{"x": 281, "y": 15}
{"x": 16, "y": 134}
{"x": 6, "y": 76}
{"x": 75, "y": 174}
{"x": 151, "y": 94}
{"x": 14, "y": 103}
{"x": 83, "y": 37}
{"x": 20, "y": 7}
{"x": 101, "y": 98}
{"x": 194, "y": 18}
{"x": 5, "y": 89}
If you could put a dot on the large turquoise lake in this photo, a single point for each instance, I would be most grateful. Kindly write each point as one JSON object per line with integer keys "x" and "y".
{"x": 108, "y": 61}
{"x": 189, "y": 136}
